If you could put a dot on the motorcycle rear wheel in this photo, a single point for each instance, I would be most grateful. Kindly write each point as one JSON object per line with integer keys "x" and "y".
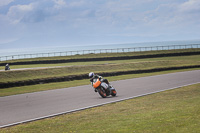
{"x": 113, "y": 93}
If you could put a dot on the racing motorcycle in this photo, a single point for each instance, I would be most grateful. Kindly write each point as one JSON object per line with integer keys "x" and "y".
{"x": 103, "y": 89}
{"x": 7, "y": 67}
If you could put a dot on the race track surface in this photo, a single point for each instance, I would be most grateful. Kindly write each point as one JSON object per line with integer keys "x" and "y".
{"x": 33, "y": 106}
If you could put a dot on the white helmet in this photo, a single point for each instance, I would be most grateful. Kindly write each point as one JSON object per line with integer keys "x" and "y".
{"x": 91, "y": 74}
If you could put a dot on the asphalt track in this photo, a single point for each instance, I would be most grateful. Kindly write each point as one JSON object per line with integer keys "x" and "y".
{"x": 22, "y": 108}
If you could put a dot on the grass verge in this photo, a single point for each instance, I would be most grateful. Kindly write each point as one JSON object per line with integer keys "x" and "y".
{"x": 105, "y": 66}
{"x": 169, "y": 111}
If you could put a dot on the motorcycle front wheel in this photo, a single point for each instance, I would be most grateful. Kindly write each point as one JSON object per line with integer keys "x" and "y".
{"x": 102, "y": 92}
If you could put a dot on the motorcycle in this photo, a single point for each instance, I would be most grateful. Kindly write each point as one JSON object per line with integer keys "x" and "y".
{"x": 103, "y": 89}
{"x": 7, "y": 68}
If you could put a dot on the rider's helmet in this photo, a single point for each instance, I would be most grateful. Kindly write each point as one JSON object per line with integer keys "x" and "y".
{"x": 91, "y": 74}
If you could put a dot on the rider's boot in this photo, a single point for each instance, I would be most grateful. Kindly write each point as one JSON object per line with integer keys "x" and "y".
{"x": 95, "y": 89}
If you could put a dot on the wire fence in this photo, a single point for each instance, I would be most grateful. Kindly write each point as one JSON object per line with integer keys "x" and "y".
{"x": 97, "y": 51}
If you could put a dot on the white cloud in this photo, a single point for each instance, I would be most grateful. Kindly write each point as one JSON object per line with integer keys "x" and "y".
{"x": 33, "y": 12}
{"x": 18, "y": 12}
{"x": 59, "y": 4}
{"x": 77, "y": 3}
{"x": 114, "y": 18}
{"x": 188, "y": 13}
{"x": 190, "y": 6}
{"x": 5, "y": 2}
{"x": 9, "y": 32}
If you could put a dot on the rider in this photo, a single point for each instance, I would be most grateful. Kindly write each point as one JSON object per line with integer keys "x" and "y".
{"x": 7, "y": 67}
{"x": 93, "y": 76}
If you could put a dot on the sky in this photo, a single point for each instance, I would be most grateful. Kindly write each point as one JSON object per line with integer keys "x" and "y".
{"x": 44, "y": 23}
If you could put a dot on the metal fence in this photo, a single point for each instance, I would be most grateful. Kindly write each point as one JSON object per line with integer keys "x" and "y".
{"x": 97, "y": 51}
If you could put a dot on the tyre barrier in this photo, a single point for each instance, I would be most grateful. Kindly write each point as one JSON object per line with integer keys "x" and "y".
{"x": 85, "y": 76}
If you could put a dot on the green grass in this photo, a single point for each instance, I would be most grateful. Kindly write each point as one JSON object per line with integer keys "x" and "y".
{"x": 101, "y": 66}
{"x": 179, "y": 58}
{"x": 173, "y": 111}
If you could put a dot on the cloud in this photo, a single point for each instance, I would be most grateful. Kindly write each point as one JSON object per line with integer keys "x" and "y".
{"x": 9, "y": 32}
{"x": 59, "y": 4}
{"x": 190, "y": 6}
{"x": 5, "y": 2}
{"x": 113, "y": 12}
{"x": 33, "y": 12}
{"x": 38, "y": 11}
{"x": 189, "y": 11}
{"x": 111, "y": 18}
{"x": 18, "y": 12}
{"x": 8, "y": 40}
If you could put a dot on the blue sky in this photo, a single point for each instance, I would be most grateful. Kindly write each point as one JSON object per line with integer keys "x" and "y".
{"x": 36, "y": 23}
